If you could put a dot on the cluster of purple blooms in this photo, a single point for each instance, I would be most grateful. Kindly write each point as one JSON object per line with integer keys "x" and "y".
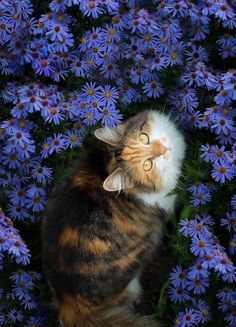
{"x": 187, "y": 285}
{"x": 18, "y": 303}
{"x": 117, "y": 61}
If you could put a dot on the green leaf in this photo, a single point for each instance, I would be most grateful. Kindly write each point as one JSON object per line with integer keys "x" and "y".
{"x": 162, "y": 301}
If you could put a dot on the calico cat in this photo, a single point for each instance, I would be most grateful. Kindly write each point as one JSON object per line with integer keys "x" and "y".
{"x": 105, "y": 219}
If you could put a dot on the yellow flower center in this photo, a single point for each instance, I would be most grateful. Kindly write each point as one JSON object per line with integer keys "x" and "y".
{"x": 45, "y": 146}
{"x": 174, "y": 56}
{"x": 112, "y": 31}
{"x": 22, "y": 124}
{"x": 90, "y": 62}
{"x": 107, "y": 94}
{"x": 147, "y": 37}
{"x": 90, "y": 92}
{"x": 74, "y": 138}
{"x": 84, "y": 39}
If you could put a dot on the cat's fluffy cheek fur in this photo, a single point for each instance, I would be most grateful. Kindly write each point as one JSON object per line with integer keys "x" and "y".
{"x": 169, "y": 166}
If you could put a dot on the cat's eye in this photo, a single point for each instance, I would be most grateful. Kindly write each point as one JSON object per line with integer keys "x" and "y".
{"x": 147, "y": 165}
{"x": 144, "y": 138}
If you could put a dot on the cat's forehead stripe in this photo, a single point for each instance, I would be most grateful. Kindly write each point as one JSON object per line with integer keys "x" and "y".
{"x": 142, "y": 125}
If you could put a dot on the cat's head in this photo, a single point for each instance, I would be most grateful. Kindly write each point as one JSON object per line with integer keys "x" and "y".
{"x": 148, "y": 152}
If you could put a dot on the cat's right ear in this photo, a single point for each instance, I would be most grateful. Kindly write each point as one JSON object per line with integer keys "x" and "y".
{"x": 117, "y": 181}
{"x": 110, "y": 135}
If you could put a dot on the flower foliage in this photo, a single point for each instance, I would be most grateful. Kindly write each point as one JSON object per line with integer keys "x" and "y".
{"x": 70, "y": 64}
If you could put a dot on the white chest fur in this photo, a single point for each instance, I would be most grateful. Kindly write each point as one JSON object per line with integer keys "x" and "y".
{"x": 161, "y": 199}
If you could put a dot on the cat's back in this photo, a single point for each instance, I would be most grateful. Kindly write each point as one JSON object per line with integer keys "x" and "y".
{"x": 78, "y": 200}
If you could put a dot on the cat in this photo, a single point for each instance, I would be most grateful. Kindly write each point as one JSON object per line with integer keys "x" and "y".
{"x": 104, "y": 220}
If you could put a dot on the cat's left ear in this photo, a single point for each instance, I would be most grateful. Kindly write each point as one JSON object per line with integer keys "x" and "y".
{"x": 117, "y": 181}
{"x": 110, "y": 135}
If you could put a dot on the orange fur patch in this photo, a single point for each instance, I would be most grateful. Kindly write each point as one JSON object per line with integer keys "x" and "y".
{"x": 73, "y": 238}
{"x": 69, "y": 237}
{"x": 125, "y": 226}
{"x": 96, "y": 246}
{"x": 120, "y": 264}
{"x": 87, "y": 181}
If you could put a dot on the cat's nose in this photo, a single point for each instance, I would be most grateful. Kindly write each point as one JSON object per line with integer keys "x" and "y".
{"x": 159, "y": 149}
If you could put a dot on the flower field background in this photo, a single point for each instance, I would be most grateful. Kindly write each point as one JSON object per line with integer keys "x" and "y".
{"x": 69, "y": 66}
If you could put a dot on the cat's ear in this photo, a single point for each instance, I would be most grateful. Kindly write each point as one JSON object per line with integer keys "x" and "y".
{"x": 110, "y": 135}
{"x": 117, "y": 181}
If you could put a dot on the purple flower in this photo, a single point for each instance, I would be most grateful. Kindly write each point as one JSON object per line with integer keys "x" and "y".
{"x": 178, "y": 294}
{"x": 153, "y": 89}
{"x": 108, "y": 94}
{"x": 109, "y": 116}
{"x": 201, "y": 197}
{"x": 207, "y": 152}
{"x": 15, "y": 315}
{"x": 91, "y": 91}
{"x": 178, "y": 277}
{"x": 201, "y": 245}
{"x": 72, "y": 139}
{"x": 232, "y": 245}
{"x": 57, "y": 143}
{"x": 221, "y": 125}
{"x": 222, "y": 171}
{"x": 91, "y": 8}
{"x": 198, "y": 271}
{"x": 230, "y": 221}
{"x": 198, "y": 285}
{"x": 223, "y": 264}
{"x": 203, "y": 310}
{"x": 42, "y": 174}
{"x": 231, "y": 318}
{"x": 188, "y": 318}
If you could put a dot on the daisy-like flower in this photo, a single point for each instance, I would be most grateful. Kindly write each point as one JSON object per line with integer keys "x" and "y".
{"x": 197, "y": 271}
{"x": 188, "y": 318}
{"x": 17, "y": 195}
{"x": 207, "y": 154}
{"x": 54, "y": 115}
{"x": 15, "y": 315}
{"x": 203, "y": 311}
{"x": 42, "y": 174}
{"x": 18, "y": 212}
{"x": 222, "y": 171}
{"x": 223, "y": 98}
{"x": 57, "y": 143}
{"x": 35, "y": 203}
{"x": 109, "y": 116}
{"x": 91, "y": 91}
{"x": 178, "y": 277}
{"x": 57, "y": 32}
{"x": 201, "y": 245}
{"x": 232, "y": 244}
{"x": 44, "y": 66}
{"x": 223, "y": 264}
{"x": 233, "y": 201}
{"x": 108, "y": 94}
{"x": 72, "y": 139}
{"x": 91, "y": 8}
{"x": 178, "y": 294}
{"x": 153, "y": 89}
{"x": 201, "y": 197}
{"x": 230, "y": 221}
{"x": 198, "y": 285}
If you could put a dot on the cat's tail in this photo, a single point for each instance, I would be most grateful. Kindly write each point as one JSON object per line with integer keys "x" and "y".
{"x": 117, "y": 316}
